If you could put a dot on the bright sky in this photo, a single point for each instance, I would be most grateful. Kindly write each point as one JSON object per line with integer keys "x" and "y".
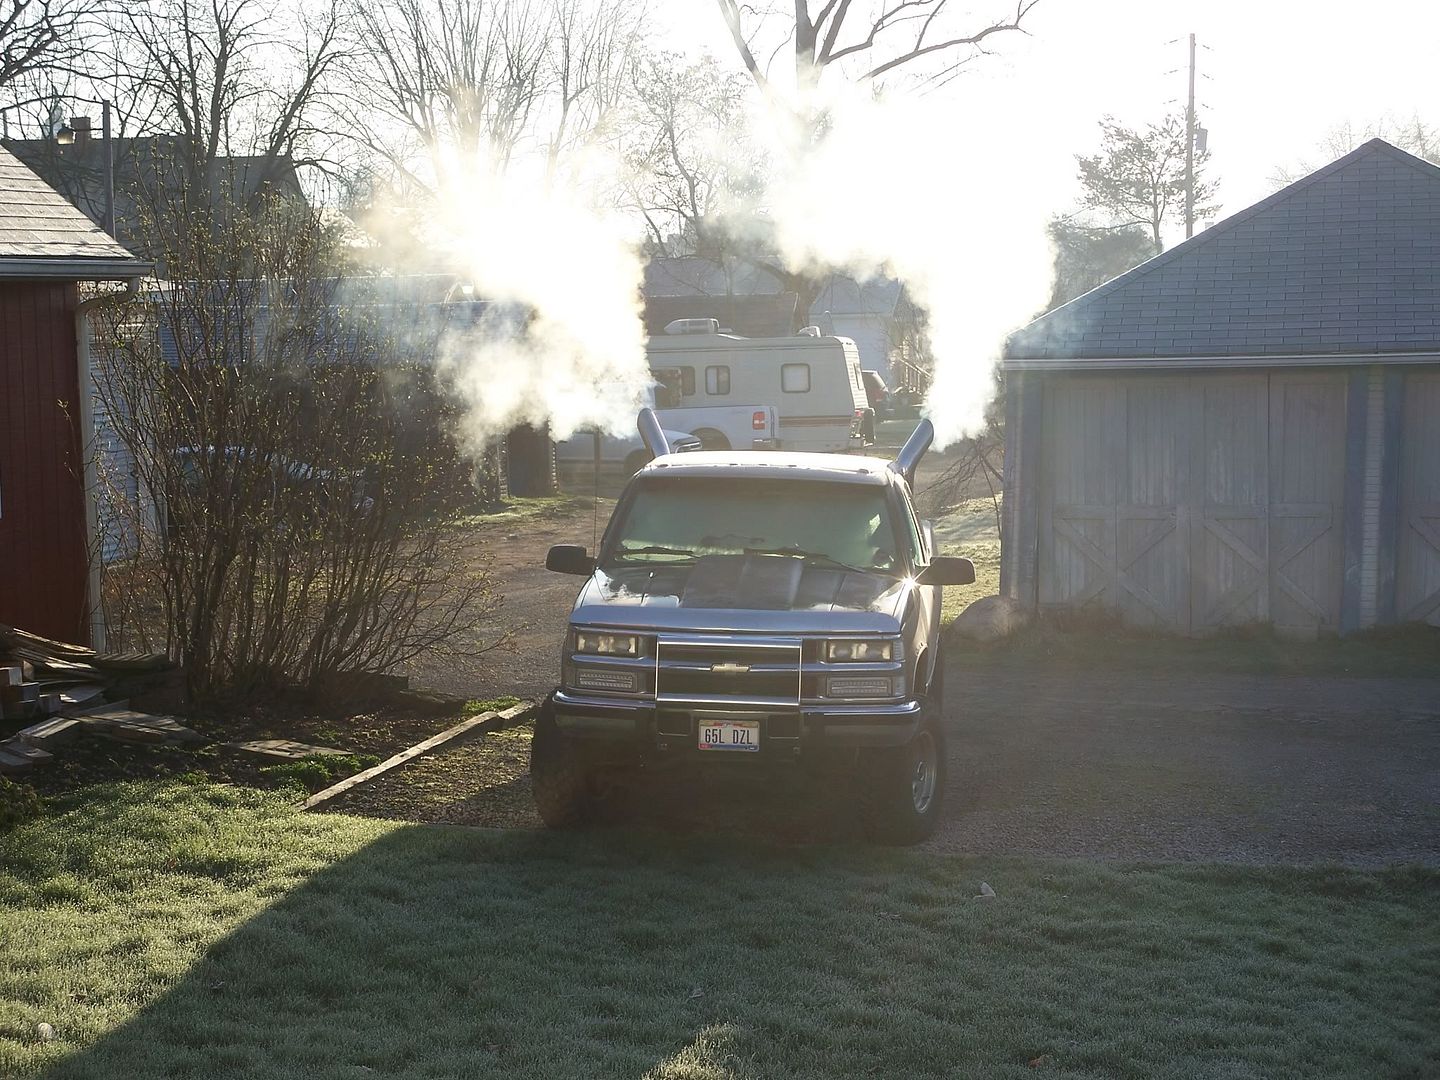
{"x": 1276, "y": 75}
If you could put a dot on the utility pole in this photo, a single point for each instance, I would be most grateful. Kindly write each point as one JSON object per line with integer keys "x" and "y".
{"x": 1190, "y": 149}
{"x": 109, "y": 148}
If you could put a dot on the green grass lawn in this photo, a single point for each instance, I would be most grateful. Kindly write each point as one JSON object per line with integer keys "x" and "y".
{"x": 517, "y": 509}
{"x": 970, "y": 530}
{"x": 214, "y": 932}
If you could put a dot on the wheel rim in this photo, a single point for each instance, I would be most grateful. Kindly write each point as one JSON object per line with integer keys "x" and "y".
{"x": 923, "y": 776}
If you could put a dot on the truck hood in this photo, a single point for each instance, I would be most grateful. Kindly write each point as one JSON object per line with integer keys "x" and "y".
{"x": 743, "y": 593}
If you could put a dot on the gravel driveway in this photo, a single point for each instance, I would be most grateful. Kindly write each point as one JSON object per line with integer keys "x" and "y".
{"x": 1100, "y": 764}
{"x": 1199, "y": 767}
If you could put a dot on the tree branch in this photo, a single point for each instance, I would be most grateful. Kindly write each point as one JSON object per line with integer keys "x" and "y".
{"x": 730, "y": 10}
{"x": 971, "y": 39}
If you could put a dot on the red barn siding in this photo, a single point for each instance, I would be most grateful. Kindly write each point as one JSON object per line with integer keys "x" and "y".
{"x": 43, "y": 558}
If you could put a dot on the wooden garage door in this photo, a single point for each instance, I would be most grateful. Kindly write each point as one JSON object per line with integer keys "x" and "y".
{"x": 1116, "y": 464}
{"x": 1195, "y": 502}
{"x": 1417, "y": 568}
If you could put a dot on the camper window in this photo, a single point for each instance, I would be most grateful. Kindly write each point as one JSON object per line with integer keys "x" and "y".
{"x": 795, "y": 378}
{"x": 687, "y": 381}
{"x": 717, "y": 380}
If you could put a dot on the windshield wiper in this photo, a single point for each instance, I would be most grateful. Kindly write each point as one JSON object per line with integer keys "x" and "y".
{"x": 816, "y": 558}
{"x": 654, "y": 549}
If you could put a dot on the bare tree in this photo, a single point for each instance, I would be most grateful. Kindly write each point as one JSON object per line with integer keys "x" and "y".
{"x": 873, "y": 41}
{"x": 230, "y": 78}
{"x": 297, "y": 537}
{"x": 689, "y": 158}
{"x": 439, "y": 87}
{"x": 1138, "y": 178}
{"x": 593, "y": 50}
{"x": 976, "y": 465}
{"x": 1414, "y": 136}
{"x": 43, "y": 36}
{"x": 455, "y": 76}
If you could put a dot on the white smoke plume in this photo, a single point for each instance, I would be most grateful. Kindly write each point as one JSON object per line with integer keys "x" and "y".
{"x": 566, "y": 343}
{"x": 944, "y": 200}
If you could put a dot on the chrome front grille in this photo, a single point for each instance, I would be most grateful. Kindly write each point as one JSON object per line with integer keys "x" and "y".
{"x": 729, "y": 672}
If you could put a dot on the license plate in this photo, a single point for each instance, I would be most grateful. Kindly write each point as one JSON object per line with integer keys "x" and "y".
{"x": 730, "y": 735}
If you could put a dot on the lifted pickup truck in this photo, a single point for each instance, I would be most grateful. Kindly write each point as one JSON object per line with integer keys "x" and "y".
{"x": 764, "y": 611}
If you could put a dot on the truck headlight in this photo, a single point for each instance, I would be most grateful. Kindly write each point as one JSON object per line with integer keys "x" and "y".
{"x": 843, "y": 650}
{"x": 597, "y": 644}
{"x": 858, "y": 686}
{"x": 622, "y": 682}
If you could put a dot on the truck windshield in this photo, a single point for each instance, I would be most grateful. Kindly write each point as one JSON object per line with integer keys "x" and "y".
{"x": 679, "y": 520}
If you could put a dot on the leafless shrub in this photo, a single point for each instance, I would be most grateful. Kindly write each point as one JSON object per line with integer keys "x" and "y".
{"x": 977, "y": 463}
{"x": 286, "y": 522}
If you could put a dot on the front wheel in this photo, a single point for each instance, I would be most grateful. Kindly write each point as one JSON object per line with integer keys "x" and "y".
{"x": 560, "y": 782}
{"x": 904, "y": 792}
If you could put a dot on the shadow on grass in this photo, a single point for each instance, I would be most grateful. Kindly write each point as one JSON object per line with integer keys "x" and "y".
{"x": 190, "y": 933}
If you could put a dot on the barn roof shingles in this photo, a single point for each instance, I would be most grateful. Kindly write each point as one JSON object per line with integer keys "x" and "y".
{"x": 38, "y": 224}
{"x": 1343, "y": 261}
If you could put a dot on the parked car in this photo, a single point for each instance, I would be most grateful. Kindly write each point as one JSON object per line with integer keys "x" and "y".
{"x": 317, "y": 486}
{"x": 751, "y": 426}
{"x": 772, "y": 611}
{"x": 619, "y": 455}
{"x": 813, "y": 382}
{"x": 876, "y": 393}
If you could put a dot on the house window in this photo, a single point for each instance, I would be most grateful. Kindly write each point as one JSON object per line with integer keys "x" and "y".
{"x": 795, "y": 378}
{"x": 717, "y": 380}
{"x": 687, "y": 381}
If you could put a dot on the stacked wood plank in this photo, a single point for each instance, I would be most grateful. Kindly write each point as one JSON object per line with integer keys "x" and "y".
{"x": 61, "y": 691}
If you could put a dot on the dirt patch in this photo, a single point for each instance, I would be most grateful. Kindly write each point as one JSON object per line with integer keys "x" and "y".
{"x": 481, "y": 781}
{"x": 537, "y": 602}
{"x": 369, "y": 734}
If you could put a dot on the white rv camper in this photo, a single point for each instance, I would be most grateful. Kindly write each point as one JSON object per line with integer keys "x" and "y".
{"x": 814, "y": 382}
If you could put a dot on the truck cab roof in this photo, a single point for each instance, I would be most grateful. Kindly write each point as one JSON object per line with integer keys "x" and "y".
{"x": 774, "y": 465}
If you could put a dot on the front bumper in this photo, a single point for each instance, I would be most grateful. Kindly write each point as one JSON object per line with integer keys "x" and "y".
{"x": 670, "y": 730}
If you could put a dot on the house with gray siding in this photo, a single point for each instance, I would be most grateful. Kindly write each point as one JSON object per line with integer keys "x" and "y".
{"x": 1246, "y": 428}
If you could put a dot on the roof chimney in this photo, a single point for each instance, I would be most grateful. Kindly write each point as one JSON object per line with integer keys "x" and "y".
{"x": 80, "y": 125}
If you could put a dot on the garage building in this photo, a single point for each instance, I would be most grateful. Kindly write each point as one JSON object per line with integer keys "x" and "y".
{"x": 1245, "y": 429}
{"x": 47, "y": 473}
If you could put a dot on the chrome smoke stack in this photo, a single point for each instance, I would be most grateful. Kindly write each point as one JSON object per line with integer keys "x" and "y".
{"x": 653, "y": 435}
{"x": 908, "y": 459}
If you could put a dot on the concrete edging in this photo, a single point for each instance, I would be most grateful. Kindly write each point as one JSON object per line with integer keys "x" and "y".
{"x": 486, "y": 721}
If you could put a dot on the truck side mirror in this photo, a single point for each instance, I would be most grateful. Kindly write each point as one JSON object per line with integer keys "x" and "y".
{"x": 571, "y": 559}
{"x": 948, "y": 570}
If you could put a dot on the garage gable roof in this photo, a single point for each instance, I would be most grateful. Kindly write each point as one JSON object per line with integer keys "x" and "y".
{"x": 43, "y": 236}
{"x": 1345, "y": 261}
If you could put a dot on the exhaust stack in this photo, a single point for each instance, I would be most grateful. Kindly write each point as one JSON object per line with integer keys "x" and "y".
{"x": 653, "y": 435}
{"x": 908, "y": 459}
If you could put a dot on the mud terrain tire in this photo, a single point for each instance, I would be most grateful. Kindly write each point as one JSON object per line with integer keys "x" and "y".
{"x": 903, "y": 788}
{"x": 563, "y": 789}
